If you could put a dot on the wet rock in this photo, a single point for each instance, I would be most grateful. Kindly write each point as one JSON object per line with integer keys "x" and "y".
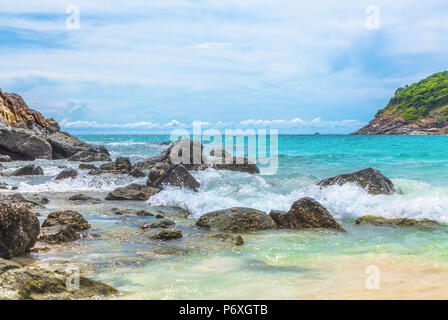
{"x": 4, "y": 186}
{"x": 133, "y": 192}
{"x": 168, "y": 234}
{"x": 137, "y": 173}
{"x": 22, "y": 144}
{"x": 67, "y": 174}
{"x": 29, "y": 170}
{"x": 236, "y": 240}
{"x": 67, "y": 218}
{"x": 166, "y": 143}
{"x": 370, "y": 179}
{"x": 120, "y": 166}
{"x": 163, "y": 223}
{"x": 89, "y": 156}
{"x": 87, "y": 166}
{"x": 236, "y": 220}
{"x": 148, "y": 164}
{"x": 187, "y": 152}
{"x": 397, "y": 222}
{"x": 240, "y": 164}
{"x": 82, "y": 197}
{"x": 65, "y": 145}
{"x": 31, "y": 202}
{"x": 141, "y": 213}
{"x": 305, "y": 213}
{"x": 5, "y": 158}
{"x": 6, "y": 265}
{"x": 58, "y": 234}
{"x": 170, "y": 211}
{"x": 19, "y": 230}
{"x": 178, "y": 176}
{"x": 95, "y": 172}
{"x": 31, "y": 283}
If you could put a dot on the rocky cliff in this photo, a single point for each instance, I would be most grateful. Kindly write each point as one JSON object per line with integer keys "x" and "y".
{"x": 421, "y": 108}
{"x": 25, "y": 134}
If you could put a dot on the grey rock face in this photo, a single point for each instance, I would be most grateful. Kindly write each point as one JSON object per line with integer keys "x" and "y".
{"x": 29, "y": 170}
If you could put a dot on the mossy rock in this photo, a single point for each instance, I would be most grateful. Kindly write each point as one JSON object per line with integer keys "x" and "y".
{"x": 398, "y": 222}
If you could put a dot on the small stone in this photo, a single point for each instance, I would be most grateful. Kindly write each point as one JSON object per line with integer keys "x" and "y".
{"x": 169, "y": 234}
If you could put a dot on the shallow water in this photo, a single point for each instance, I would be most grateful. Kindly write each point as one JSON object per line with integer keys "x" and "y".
{"x": 413, "y": 263}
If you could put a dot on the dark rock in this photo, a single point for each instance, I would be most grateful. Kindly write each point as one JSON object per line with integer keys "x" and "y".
{"x": 95, "y": 172}
{"x": 137, "y": 173}
{"x": 237, "y": 240}
{"x": 151, "y": 162}
{"x": 87, "y": 166}
{"x": 398, "y": 222}
{"x": 187, "y": 152}
{"x": 133, "y": 192}
{"x": 121, "y": 165}
{"x": 164, "y": 223}
{"x": 157, "y": 172}
{"x": 166, "y": 143}
{"x": 370, "y": 179}
{"x": 236, "y": 220}
{"x": 168, "y": 234}
{"x": 5, "y": 158}
{"x": 89, "y": 156}
{"x": 4, "y": 186}
{"x": 66, "y": 174}
{"x": 141, "y": 213}
{"x": 58, "y": 234}
{"x": 31, "y": 202}
{"x": 82, "y": 197}
{"x": 67, "y": 218}
{"x": 6, "y": 265}
{"x": 21, "y": 144}
{"x": 305, "y": 213}
{"x": 32, "y": 283}
{"x": 178, "y": 176}
{"x": 240, "y": 164}
{"x": 29, "y": 170}
{"x": 65, "y": 145}
{"x": 19, "y": 230}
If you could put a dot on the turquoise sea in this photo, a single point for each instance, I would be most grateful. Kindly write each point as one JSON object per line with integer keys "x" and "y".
{"x": 412, "y": 262}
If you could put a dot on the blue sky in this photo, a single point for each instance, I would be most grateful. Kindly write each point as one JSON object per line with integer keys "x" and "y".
{"x": 148, "y": 66}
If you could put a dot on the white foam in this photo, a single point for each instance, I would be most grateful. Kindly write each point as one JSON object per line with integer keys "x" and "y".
{"x": 224, "y": 189}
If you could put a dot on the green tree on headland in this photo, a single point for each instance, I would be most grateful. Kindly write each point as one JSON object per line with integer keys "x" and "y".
{"x": 420, "y": 99}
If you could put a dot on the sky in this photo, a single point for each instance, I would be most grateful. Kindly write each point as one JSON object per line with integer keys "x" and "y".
{"x": 144, "y": 66}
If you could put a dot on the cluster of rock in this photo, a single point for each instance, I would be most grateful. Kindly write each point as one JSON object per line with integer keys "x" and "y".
{"x": 25, "y": 134}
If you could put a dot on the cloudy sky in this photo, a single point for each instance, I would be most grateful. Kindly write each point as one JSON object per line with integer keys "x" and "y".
{"x": 149, "y": 65}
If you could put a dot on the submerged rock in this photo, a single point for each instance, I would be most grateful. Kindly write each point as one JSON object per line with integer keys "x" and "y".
{"x": 397, "y": 222}
{"x": 67, "y": 218}
{"x": 58, "y": 234}
{"x": 305, "y": 213}
{"x": 66, "y": 174}
{"x": 29, "y": 170}
{"x": 19, "y": 230}
{"x": 87, "y": 166}
{"x": 133, "y": 192}
{"x": 178, "y": 176}
{"x": 82, "y": 197}
{"x": 162, "y": 223}
{"x": 18, "y": 283}
{"x": 137, "y": 173}
{"x": 141, "y": 213}
{"x": 165, "y": 235}
{"x": 236, "y": 220}
{"x": 89, "y": 156}
{"x": 236, "y": 240}
{"x": 369, "y": 179}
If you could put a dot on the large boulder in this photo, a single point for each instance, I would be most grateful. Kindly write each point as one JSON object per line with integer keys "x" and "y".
{"x": 148, "y": 164}
{"x": 29, "y": 170}
{"x": 19, "y": 230}
{"x": 67, "y": 218}
{"x": 369, "y": 179}
{"x": 187, "y": 152}
{"x": 178, "y": 176}
{"x": 305, "y": 213}
{"x": 29, "y": 201}
{"x": 22, "y": 144}
{"x": 396, "y": 222}
{"x": 67, "y": 174}
{"x": 89, "y": 156}
{"x": 133, "y": 192}
{"x": 240, "y": 164}
{"x": 236, "y": 220}
{"x": 31, "y": 283}
{"x": 65, "y": 145}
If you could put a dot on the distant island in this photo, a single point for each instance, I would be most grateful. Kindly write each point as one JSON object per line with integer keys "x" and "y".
{"x": 421, "y": 108}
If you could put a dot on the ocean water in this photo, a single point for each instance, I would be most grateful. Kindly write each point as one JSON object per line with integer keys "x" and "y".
{"x": 280, "y": 264}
